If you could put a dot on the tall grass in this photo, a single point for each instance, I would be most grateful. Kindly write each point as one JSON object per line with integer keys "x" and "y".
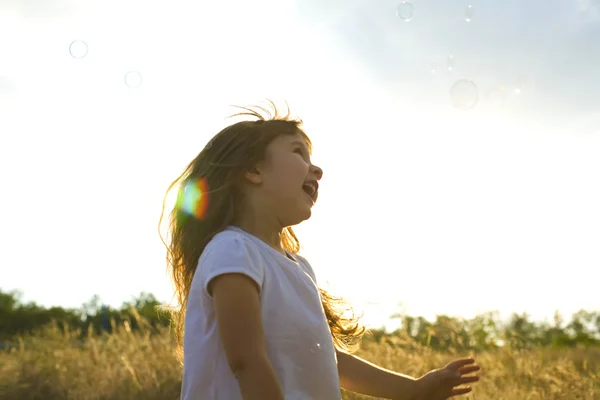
{"x": 57, "y": 364}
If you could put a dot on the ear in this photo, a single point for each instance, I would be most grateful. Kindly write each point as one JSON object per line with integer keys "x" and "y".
{"x": 254, "y": 175}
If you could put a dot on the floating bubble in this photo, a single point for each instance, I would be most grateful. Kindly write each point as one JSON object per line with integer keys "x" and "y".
{"x": 433, "y": 68}
{"x": 193, "y": 198}
{"x": 521, "y": 85}
{"x": 496, "y": 95}
{"x": 405, "y": 11}
{"x": 133, "y": 79}
{"x": 450, "y": 62}
{"x": 78, "y": 49}
{"x": 464, "y": 94}
{"x": 469, "y": 12}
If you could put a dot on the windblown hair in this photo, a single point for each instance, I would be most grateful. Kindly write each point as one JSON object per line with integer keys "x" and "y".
{"x": 217, "y": 171}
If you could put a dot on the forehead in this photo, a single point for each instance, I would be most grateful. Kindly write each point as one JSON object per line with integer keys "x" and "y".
{"x": 294, "y": 139}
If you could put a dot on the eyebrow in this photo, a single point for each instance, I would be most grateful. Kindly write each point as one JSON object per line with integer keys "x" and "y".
{"x": 303, "y": 144}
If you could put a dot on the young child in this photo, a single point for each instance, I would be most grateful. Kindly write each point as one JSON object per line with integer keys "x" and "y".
{"x": 253, "y": 323}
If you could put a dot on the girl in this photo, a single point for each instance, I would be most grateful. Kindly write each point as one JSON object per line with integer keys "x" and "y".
{"x": 253, "y": 324}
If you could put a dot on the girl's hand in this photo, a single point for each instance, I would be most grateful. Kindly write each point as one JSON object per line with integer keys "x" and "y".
{"x": 440, "y": 384}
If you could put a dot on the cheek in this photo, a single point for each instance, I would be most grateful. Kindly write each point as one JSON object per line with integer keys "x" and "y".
{"x": 298, "y": 170}
{"x": 291, "y": 163}
{"x": 290, "y": 173}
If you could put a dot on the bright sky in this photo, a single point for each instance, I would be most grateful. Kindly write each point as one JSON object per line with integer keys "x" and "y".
{"x": 443, "y": 209}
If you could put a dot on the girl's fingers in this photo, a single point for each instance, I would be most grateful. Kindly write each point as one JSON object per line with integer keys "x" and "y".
{"x": 460, "y": 363}
{"x": 468, "y": 370}
{"x": 468, "y": 379}
{"x": 459, "y": 391}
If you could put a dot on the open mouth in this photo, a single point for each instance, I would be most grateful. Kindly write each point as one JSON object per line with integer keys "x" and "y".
{"x": 310, "y": 188}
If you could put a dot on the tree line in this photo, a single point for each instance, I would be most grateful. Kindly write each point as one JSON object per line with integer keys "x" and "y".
{"x": 18, "y": 318}
{"x": 483, "y": 332}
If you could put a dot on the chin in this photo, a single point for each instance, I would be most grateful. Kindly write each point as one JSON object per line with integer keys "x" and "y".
{"x": 308, "y": 215}
{"x": 301, "y": 216}
{"x": 306, "y": 212}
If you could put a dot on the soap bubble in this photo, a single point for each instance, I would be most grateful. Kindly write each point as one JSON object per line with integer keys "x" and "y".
{"x": 405, "y": 11}
{"x": 469, "y": 13}
{"x": 433, "y": 68}
{"x": 464, "y": 94}
{"x": 450, "y": 62}
{"x": 522, "y": 85}
{"x": 496, "y": 95}
{"x": 133, "y": 79}
{"x": 78, "y": 49}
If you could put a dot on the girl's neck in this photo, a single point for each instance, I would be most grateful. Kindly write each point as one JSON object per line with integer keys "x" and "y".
{"x": 270, "y": 235}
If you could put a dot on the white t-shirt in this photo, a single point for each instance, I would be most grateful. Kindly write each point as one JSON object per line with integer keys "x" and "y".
{"x": 299, "y": 342}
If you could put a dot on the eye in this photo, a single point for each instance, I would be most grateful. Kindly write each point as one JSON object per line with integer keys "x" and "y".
{"x": 300, "y": 151}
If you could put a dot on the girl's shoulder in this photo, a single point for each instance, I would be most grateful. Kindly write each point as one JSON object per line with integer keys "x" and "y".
{"x": 229, "y": 240}
{"x": 233, "y": 242}
{"x": 306, "y": 265}
{"x": 227, "y": 235}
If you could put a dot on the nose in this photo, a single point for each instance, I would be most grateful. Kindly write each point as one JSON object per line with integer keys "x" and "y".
{"x": 318, "y": 172}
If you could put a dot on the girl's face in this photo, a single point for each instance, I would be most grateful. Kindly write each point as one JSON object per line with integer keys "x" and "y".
{"x": 286, "y": 183}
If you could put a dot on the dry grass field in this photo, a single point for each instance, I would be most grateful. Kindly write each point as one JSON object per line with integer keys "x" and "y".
{"x": 137, "y": 365}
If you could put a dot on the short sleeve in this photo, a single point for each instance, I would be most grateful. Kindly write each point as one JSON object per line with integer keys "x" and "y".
{"x": 226, "y": 254}
{"x": 307, "y": 267}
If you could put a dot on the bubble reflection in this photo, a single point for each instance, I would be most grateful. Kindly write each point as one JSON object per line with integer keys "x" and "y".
{"x": 469, "y": 12}
{"x": 464, "y": 94}
{"x": 405, "y": 11}
{"x": 133, "y": 79}
{"x": 78, "y": 49}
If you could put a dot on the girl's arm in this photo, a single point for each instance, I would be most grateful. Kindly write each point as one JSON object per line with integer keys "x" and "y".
{"x": 237, "y": 308}
{"x": 360, "y": 376}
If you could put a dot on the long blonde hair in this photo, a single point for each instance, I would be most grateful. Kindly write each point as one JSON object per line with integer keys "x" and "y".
{"x": 219, "y": 165}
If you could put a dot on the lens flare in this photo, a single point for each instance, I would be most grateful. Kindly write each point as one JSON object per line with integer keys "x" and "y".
{"x": 193, "y": 199}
